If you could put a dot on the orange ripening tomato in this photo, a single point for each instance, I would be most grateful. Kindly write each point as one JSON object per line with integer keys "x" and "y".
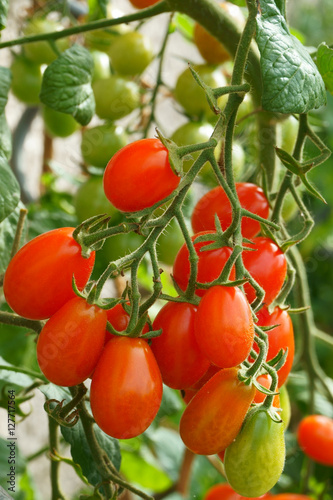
{"x": 139, "y": 175}
{"x": 119, "y": 319}
{"x": 315, "y": 438}
{"x": 142, "y": 4}
{"x": 210, "y": 264}
{"x": 126, "y": 388}
{"x": 281, "y": 337}
{"x": 265, "y": 381}
{"x": 214, "y": 416}
{"x": 225, "y": 492}
{"x": 71, "y": 342}
{"x": 209, "y": 47}
{"x": 188, "y": 393}
{"x": 251, "y": 197}
{"x": 267, "y": 264}
{"x": 177, "y": 353}
{"x": 224, "y": 326}
{"x": 38, "y": 280}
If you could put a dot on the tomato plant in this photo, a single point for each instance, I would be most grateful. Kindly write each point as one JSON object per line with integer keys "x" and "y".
{"x": 119, "y": 319}
{"x": 54, "y": 257}
{"x": 224, "y": 326}
{"x": 267, "y": 265}
{"x": 125, "y": 400}
{"x": 213, "y": 417}
{"x": 255, "y": 459}
{"x": 251, "y": 198}
{"x": 281, "y": 337}
{"x": 177, "y": 353}
{"x": 210, "y": 264}
{"x": 71, "y": 342}
{"x": 146, "y": 179}
{"x": 315, "y": 437}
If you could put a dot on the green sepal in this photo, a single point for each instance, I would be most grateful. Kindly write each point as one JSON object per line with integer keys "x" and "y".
{"x": 92, "y": 225}
{"x": 263, "y": 389}
{"x": 152, "y": 334}
{"x": 175, "y": 161}
{"x": 211, "y": 94}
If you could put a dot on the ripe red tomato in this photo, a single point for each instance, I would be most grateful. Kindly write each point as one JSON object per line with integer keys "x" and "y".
{"x": 38, "y": 280}
{"x": 251, "y": 198}
{"x": 281, "y": 337}
{"x": 290, "y": 496}
{"x": 267, "y": 265}
{"x": 224, "y": 326}
{"x": 214, "y": 416}
{"x": 126, "y": 389}
{"x": 315, "y": 437}
{"x": 141, "y": 4}
{"x": 210, "y": 264}
{"x": 71, "y": 342}
{"x": 177, "y": 353}
{"x": 225, "y": 492}
{"x": 187, "y": 394}
{"x": 139, "y": 175}
{"x": 119, "y": 319}
{"x": 265, "y": 380}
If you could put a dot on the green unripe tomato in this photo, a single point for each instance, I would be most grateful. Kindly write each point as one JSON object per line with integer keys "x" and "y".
{"x": 59, "y": 124}
{"x": 192, "y": 133}
{"x": 101, "y": 65}
{"x": 131, "y": 53}
{"x": 115, "y": 97}
{"x": 119, "y": 245}
{"x": 285, "y": 406}
{"x": 289, "y": 131}
{"x": 27, "y": 80}
{"x": 289, "y": 207}
{"x": 255, "y": 459}
{"x": 169, "y": 243}
{"x": 42, "y": 52}
{"x": 90, "y": 200}
{"x": 100, "y": 143}
{"x": 102, "y": 39}
{"x": 191, "y": 96}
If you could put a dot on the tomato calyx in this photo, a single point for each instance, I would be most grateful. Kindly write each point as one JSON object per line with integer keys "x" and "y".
{"x": 92, "y": 225}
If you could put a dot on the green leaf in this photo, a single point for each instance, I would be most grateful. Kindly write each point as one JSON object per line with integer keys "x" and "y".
{"x": 81, "y": 453}
{"x": 9, "y": 190}
{"x": 291, "y": 80}
{"x": 185, "y": 25}
{"x": 168, "y": 448}
{"x": 137, "y": 470}
{"x": 7, "y": 235}
{"x": 4, "y": 4}
{"x": 66, "y": 84}
{"x": 5, "y": 81}
{"x": 13, "y": 379}
{"x": 325, "y": 65}
{"x": 5, "y": 138}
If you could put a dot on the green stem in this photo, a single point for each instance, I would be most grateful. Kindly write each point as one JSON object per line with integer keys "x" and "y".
{"x": 53, "y": 440}
{"x": 19, "y": 231}
{"x": 14, "y": 320}
{"x": 31, "y": 373}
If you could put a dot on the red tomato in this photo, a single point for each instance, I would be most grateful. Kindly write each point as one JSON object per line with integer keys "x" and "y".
{"x": 290, "y": 496}
{"x": 141, "y": 4}
{"x": 267, "y": 265}
{"x": 225, "y": 492}
{"x": 315, "y": 437}
{"x": 281, "y": 337}
{"x": 126, "y": 388}
{"x": 187, "y": 394}
{"x": 71, "y": 342}
{"x": 139, "y": 175}
{"x": 210, "y": 264}
{"x": 224, "y": 326}
{"x": 259, "y": 397}
{"x": 119, "y": 319}
{"x": 214, "y": 416}
{"x": 38, "y": 280}
{"x": 251, "y": 198}
{"x": 177, "y": 353}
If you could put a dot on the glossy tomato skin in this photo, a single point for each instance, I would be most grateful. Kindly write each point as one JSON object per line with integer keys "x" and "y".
{"x": 214, "y": 416}
{"x": 187, "y": 394}
{"x": 267, "y": 265}
{"x": 71, "y": 342}
{"x": 224, "y": 326}
{"x": 177, "y": 353}
{"x": 281, "y": 337}
{"x": 210, "y": 264}
{"x": 315, "y": 437}
{"x": 251, "y": 198}
{"x": 139, "y": 175}
{"x": 225, "y": 492}
{"x": 291, "y": 496}
{"x": 119, "y": 319}
{"x": 126, "y": 389}
{"x": 142, "y": 4}
{"x": 254, "y": 461}
{"x": 38, "y": 280}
